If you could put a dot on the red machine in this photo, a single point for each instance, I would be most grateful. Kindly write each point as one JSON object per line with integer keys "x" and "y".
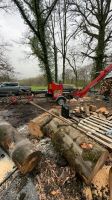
{"x": 83, "y": 92}
{"x": 56, "y": 92}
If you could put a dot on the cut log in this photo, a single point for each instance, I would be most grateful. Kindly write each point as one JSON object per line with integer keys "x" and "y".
{"x": 102, "y": 110}
{"x": 101, "y": 181}
{"x": 87, "y": 193}
{"x": 8, "y": 135}
{"x": 110, "y": 183}
{"x": 83, "y": 154}
{"x": 25, "y": 156}
{"x": 92, "y": 108}
{"x": 19, "y": 149}
{"x": 86, "y": 109}
{"x": 35, "y": 126}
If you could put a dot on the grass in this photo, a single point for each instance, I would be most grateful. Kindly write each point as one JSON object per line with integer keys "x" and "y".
{"x": 34, "y": 88}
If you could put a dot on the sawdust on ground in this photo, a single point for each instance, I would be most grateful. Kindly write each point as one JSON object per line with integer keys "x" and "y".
{"x": 6, "y": 166}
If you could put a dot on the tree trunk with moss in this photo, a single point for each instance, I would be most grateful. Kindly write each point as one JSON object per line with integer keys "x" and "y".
{"x": 100, "y": 50}
{"x": 82, "y": 153}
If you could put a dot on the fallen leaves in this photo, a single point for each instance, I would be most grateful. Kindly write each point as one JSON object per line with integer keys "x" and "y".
{"x": 86, "y": 145}
{"x": 55, "y": 192}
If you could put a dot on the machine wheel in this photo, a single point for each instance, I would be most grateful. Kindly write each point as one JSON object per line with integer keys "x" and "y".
{"x": 61, "y": 101}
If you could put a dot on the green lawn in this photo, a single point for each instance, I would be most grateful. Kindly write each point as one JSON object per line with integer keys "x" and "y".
{"x": 34, "y": 88}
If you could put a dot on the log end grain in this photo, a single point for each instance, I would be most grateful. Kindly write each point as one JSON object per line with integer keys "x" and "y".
{"x": 25, "y": 156}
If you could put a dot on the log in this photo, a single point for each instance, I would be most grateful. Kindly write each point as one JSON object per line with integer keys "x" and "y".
{"x": 86, "y": 109}
{"x": 103, "y": 110}
{"x": 19, "y": 149}
{"x": 110, "y": 183}
{"x": 87, "y": 193}
{"x": 101, "y": 181}
{"x": 82, "y": 153}
{"x": 92, "y": 108}
{"x": 35, "y": 126}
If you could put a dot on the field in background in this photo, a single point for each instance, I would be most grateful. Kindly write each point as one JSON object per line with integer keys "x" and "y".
{"x": 34, "y": 88}
{"x": 66, "y": 86}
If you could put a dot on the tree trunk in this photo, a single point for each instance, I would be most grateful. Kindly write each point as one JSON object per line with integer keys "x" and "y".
{"x": 47, "y": 69}
{"x": 47, "y": 66}
{"x": 83, "y": 154}
{"x": 64, "y": 39}
{"x": 45, "y": 53}
{"x": 76, "y": 79}
{"x": 56, "y": 64}
{"x": 100, "y": 51}
{"x": 19, "y": 149}
{"x": 63, "y": 75}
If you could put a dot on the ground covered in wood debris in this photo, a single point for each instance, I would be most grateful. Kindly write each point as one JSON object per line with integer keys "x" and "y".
{"x": 53, "y": 179}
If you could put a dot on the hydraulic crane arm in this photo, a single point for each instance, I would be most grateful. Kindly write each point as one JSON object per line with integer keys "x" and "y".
{"x": 94, "y": 82}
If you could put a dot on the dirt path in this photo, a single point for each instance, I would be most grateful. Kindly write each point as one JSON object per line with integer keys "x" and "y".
{"x": 21, "y": 114}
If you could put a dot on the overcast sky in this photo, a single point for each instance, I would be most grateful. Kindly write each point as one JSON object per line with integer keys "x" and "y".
{"x": 12, "y": 30}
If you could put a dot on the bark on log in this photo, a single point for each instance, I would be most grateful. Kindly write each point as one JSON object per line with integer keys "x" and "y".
{"x": 83, "y": 154}
{"x": 19, "y": 149}
{"x": 35, "y": 126}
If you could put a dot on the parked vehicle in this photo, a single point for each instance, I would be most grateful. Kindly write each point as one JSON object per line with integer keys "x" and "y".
{"x": 13, "y": 88}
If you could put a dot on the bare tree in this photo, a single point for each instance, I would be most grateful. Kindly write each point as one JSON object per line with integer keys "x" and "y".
{"x": 72, "y": 63}
{"x": 6, "y": 70}
{"x": 36, "y": 15}
{"x": 95, "y": 17}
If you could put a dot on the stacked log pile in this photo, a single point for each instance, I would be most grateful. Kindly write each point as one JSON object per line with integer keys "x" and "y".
{"x": 86, "y": 110}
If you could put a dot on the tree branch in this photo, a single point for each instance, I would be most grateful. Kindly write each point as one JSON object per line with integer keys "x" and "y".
{"x": 17, "y": 3}
{"x": 50, "y": 10}
{"x": 28, "y": 4}
{"x": 89, "y": 33}
{"x": 87, "y": 55}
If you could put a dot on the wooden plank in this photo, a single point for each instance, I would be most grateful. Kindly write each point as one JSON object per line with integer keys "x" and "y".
{"x": 102, "y": 120}
{"x": 96, "y": 122}
{"x": 85, "y": 128}
{"x": 109, "y": 118}
{"x": 104, "y": 137}
{"x": 95, "y": 138}
{"x": 99, "y": 140}
{"x": 96, "y": 125}
{"x": 99, "y": 120}
{"x": 94, "y": 128}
